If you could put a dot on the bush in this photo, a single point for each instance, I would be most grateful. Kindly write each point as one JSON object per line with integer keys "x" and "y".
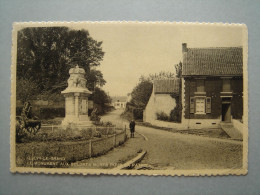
{"x": 175, "y": 115}
{"x": 162, "y": 116}
{"x": 44, "y": 112}
{"x": 71, "y": 133}
{"x": 138, "y": 113}
{"x": 89, "y": 133}
{"x": 50, "y": 113}
{"x": 109, "y": 124}
{"x": 95, "y": 117}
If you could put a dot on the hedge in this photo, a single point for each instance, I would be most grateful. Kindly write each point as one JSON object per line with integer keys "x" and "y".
{"x": 44, "y": 112}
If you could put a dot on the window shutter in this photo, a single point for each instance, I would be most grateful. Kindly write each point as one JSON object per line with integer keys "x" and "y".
{"x": 208, "y": 105}
{"x": 192, "y": 105}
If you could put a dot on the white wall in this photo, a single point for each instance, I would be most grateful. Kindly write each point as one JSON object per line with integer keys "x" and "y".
{"x": 156, "y": 104}
{"x": 149, "y": 112}
{"x": 164, "y": 103}
{"x": 120, "y": 106}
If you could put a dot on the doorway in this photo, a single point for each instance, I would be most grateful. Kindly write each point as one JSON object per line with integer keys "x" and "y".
{"x": 226, "y": 112}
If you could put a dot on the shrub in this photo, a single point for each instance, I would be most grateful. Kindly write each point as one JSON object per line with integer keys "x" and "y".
{"x": 95, "y": 117}
{"x": 175, "y": 115}
{"x": 109, "y": 124}
{"x": 138, "y": 113}
{"x": 162, "y": 116}
{"x": 44, "y": 112}
{"x": 50, "y": 113}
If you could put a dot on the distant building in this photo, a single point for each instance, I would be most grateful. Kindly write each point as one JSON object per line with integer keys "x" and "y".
{"x": 212, "y": 86}
{"x": 119, "y": 102}
{"x": 161, "y": 99}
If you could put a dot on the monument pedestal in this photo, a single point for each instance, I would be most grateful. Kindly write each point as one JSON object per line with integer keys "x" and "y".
{"x": 76, "y": 100}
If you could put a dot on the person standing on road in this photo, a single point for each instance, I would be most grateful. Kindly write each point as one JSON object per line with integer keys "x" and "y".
{"x": 132, "y": 128}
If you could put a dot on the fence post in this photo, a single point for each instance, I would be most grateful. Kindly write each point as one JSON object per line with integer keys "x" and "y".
{"x": 90, "y": 148}
{"x": 107, "y": 131}
{"x": 52, "y": 128}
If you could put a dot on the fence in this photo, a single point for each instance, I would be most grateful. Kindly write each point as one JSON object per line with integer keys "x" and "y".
{"x": 108, "y": 130}
{"x": 61, "y": 154}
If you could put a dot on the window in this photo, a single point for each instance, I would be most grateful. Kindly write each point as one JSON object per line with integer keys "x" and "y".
{"x": 226, "y": 85}
{"x": 200, "y": 85}
{"x": 200, "y": 105}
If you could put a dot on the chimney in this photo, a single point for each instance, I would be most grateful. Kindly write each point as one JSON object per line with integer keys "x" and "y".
{"x": 184, "y": 47}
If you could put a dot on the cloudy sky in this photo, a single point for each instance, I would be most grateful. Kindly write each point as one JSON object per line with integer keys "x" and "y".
{"x": 132, "y": 50}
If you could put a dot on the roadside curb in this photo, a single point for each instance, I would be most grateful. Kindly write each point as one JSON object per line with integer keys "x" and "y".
{"x": 145, "y": 138}
{"x": 131, "y": 163}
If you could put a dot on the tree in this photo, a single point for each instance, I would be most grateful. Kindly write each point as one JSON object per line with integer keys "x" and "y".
{"x": 101, "y": 100}
{"x": 141, "y": 93}
{"x": 95, "y": 78}
{"x": 178, "y": 69}
{"x": 26, "y": 89}
{"x": 101, "y": 97}
{"x": 45, "y": 55}
{"x": 160, "y": 75}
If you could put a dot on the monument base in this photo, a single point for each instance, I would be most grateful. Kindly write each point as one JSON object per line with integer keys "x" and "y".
{"x": 76, "y": 122}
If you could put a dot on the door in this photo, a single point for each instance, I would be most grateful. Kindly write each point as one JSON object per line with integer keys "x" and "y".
{"x": 226, "y": 112}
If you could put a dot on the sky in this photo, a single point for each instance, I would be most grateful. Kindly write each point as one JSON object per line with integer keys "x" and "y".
{"x": 136, "y": 49}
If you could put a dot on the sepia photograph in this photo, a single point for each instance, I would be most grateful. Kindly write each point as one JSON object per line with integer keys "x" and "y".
{"x": 134, "y": 98}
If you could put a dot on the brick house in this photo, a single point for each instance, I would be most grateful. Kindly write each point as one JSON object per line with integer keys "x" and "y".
{"x": 212, "y": 86}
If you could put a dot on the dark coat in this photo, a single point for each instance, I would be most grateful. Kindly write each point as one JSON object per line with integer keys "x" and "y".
{"x": 132, "y": 126}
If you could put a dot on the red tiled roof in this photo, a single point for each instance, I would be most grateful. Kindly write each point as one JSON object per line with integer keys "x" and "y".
{"x": 213, "y": 61}
{"x": 166, "y": 86}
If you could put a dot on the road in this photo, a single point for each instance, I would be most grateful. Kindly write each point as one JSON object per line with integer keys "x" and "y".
{"x": 183, "y": 151}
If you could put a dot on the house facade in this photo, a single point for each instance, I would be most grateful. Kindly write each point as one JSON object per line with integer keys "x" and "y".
{"x": 212, "y": 86}
{"x": 161, "y": 99}
{"x": 119, "y": 102}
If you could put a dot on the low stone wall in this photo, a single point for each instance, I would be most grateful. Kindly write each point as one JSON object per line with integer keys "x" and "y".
{"x": 61, "y": 154}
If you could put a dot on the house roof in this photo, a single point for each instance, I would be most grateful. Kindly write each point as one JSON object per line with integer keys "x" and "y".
{"x": 119, "y": 98}
{"x": 166, "y": 86}
{"x": 220, "y": 61}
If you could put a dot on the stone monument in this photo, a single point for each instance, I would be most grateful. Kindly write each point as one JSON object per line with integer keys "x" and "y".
{"x": 76, "y": 99}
